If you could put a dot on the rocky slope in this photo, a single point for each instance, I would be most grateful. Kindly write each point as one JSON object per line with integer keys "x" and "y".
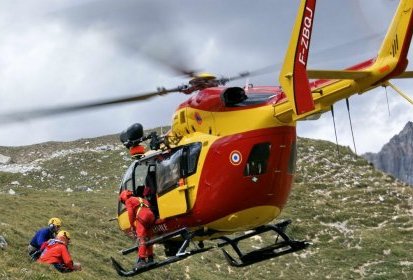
{"x": 396, "y": 157}
{"x": 359, "y": 220}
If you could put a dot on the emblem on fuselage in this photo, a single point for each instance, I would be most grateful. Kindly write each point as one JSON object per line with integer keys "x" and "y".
{"x": 198, "y": 118}
{"x": 235, "y": 158}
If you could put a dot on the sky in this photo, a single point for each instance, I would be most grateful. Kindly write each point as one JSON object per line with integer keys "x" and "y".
{"x": 60, "y": 52}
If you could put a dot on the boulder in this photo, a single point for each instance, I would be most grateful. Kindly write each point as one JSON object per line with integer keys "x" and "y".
{"x": 4, "y": 159}
{"x": 3, "y": 243}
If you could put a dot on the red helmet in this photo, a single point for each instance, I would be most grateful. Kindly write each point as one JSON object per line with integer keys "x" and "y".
{"x": 124, "y": 195}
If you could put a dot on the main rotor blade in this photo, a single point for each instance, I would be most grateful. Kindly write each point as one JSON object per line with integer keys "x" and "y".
{"x": 264, "y": 70}
{"x": 171, "y": 56}
{"x": 38, "y": 113}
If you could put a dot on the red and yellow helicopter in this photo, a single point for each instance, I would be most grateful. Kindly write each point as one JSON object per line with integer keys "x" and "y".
{"x": 227, "y": 164}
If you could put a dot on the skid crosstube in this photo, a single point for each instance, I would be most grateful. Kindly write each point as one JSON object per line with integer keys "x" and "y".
{"x": 284, "y": 246}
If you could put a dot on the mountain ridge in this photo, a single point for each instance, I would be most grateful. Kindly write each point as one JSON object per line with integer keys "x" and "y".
{"x": 396, "y": 157}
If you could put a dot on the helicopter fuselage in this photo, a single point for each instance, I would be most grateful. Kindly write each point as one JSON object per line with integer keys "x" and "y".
{"x": 244, "y": 169}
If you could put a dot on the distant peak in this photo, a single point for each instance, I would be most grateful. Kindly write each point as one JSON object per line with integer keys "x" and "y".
{"x": 408, "y": 129}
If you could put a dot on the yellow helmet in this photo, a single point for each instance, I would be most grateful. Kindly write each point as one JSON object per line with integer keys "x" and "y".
{"x": 55, "y": 221}
{"x": 64, "y": 236}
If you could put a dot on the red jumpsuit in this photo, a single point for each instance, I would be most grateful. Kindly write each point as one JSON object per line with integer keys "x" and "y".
{"x": 141, "y": 219}
{"x": 56, "y": 252}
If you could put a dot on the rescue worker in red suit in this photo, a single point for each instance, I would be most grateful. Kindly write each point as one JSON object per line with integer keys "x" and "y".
{"x": 56, "y": 253}
{"x": 141, "y": 219}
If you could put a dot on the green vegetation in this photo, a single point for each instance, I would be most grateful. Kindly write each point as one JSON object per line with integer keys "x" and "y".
{"x": 360, "y": 220}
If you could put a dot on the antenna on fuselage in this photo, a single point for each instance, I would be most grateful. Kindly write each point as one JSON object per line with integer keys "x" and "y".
{"x": 247, "y": 84}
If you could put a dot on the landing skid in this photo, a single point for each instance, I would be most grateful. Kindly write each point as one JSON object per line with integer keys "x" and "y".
{"x": 285, "y": 246}
{"x": 180, "y": 255}
{"x": 137, "y": 270}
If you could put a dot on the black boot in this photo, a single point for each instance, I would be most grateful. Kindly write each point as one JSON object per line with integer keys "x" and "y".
{"x": 150, "y": 259}
{"x": 140, "y": 262}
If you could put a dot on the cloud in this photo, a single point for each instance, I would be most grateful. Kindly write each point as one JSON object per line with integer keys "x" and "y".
{"x": 65, "y": 52}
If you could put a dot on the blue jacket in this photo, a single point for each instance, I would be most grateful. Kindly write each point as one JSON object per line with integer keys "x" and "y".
{"x": 42, "y": 235}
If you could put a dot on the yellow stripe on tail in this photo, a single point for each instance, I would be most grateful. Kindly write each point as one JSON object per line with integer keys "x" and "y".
{"x": 392, "y": 55}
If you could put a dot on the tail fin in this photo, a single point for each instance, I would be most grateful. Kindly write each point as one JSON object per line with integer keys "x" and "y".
{"x": 393, "y": 51}
{"x": 390, "y": 62}
{"x": 293, "y": 76}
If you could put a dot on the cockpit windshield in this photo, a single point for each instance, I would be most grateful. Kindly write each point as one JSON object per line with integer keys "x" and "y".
{"x": 127, "y": 182}
{"x": 134, "y": 176}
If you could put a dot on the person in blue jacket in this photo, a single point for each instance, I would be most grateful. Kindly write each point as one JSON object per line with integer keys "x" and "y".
{"x": 43, "y": 235}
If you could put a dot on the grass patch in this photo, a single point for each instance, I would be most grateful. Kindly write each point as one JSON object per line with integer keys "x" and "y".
{"x": 358, "y": 219}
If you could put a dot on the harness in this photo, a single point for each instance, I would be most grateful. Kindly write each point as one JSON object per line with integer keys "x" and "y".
{"x": 145, "y": 216}
{"x": 141, "y": 204}
{"x": 51, "y": 242}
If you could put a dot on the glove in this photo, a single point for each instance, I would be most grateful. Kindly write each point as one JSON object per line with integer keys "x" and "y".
{"x": 77, "y": 266}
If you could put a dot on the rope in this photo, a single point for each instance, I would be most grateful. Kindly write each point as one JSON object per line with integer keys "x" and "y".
{"x": 387, "y": 99}
{"x": 335, "y": 131}
{"x": 351, "y": 125}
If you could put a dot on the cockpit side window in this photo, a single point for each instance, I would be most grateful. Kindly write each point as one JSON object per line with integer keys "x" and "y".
{"x": 258, "y": 159}
{"x": 139, "y": 176}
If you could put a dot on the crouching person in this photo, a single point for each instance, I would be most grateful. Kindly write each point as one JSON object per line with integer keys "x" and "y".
{"x": 43, "y": 235}
{"x": 55, "y": 252}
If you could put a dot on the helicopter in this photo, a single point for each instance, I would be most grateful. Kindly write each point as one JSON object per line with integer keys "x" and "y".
{"x": 227, "y": 164}
{"x": 234, "y": 148}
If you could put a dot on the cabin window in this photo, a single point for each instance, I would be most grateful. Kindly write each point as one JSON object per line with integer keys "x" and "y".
{"x": 168, "y": 171}
{"x": 180, "y": 163}
{"x": 258, "y": 160}
{"x": 190, "y": 159}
